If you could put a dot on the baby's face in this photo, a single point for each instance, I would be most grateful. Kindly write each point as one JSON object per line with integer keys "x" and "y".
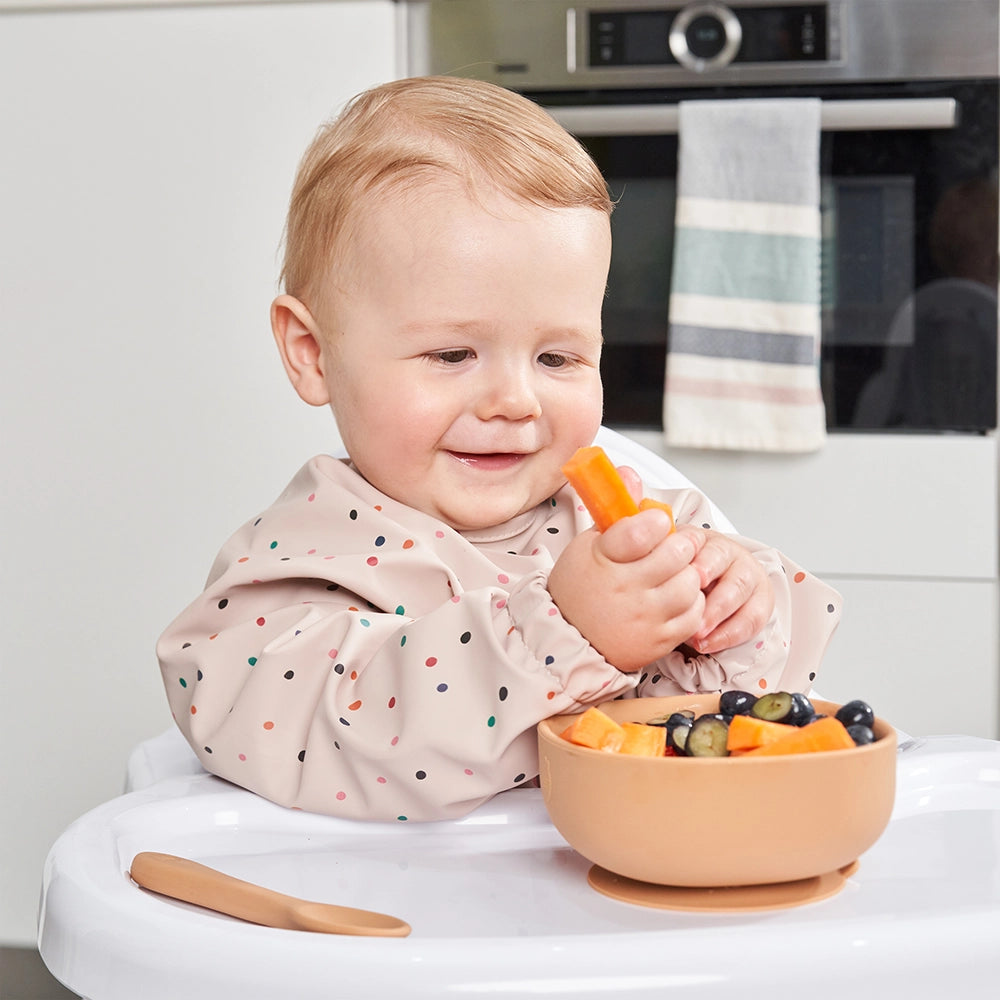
{"x": 462, "y": 356}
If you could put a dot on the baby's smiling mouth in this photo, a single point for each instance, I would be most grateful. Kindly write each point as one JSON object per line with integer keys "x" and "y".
{"x": 491, "y": 461}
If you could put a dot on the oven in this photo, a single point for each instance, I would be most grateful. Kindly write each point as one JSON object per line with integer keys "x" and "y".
{"x": 909, "y": 169}
{"x": 899, "y": 506}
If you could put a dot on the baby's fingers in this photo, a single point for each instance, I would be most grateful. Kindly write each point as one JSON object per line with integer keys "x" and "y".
{"x": 632, "y": 481}
{"x": 634, "y": 538}
{"x": 737, "y": 608}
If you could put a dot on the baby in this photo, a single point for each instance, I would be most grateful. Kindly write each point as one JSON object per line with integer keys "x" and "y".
{"x": 382, "y": 641}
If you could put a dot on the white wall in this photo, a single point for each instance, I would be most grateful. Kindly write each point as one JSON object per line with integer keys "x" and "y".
{"x": 146, "y": 157}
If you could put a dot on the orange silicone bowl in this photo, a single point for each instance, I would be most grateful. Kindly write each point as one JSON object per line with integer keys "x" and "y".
{"x": 713, "y": 822}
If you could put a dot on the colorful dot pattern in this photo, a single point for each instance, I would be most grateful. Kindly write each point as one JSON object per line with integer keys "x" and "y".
{"x": 357, "y": 658}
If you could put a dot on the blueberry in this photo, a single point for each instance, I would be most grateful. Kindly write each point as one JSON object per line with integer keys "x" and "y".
{"x": 862, "y": 735}
{"x": 856, "y": 712}
{"x": 683, "y": 717}
{"x": 736, "y": 702}
{"x": 804, "y": 711}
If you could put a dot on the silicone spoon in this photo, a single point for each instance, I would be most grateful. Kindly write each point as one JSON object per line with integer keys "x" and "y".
{"x": 195, "y": 883}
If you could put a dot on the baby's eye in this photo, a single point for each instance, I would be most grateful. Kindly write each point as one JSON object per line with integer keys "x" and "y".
{"x": 454, "y": 357}
{"x": 550, "y": 360}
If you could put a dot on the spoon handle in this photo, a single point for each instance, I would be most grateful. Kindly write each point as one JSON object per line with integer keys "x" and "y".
{"x": 196, "y": 883}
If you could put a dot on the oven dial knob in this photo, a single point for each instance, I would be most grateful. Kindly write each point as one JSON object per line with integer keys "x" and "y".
{"x": 705, "y": 36}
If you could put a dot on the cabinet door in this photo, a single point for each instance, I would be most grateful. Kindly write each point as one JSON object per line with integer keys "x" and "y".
{"x": 864, "y": 504}
{"x": 924, "y": 653}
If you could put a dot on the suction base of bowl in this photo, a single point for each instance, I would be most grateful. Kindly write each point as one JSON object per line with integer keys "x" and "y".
{"x": 726, "y": 899}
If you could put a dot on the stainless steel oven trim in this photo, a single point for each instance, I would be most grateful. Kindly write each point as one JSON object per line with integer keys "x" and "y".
{"x": 904, "y": 114}
{"x": 542, "y": 45}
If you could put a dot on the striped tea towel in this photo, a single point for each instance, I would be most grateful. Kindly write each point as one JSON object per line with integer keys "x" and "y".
{"x": 743, "y": 350}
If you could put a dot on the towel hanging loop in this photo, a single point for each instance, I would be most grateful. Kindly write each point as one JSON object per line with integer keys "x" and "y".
{"x": 886, "y": 115}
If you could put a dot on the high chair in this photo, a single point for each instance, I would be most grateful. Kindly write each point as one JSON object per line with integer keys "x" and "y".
{"x": 500, "y": 905}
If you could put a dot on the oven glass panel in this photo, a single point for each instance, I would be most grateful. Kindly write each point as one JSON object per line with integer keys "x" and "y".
{"x": 909, "y": 269}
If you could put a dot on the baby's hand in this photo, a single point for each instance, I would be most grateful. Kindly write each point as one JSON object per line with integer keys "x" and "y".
{"x": 634, "y": 591}
{"x": 739, "y": 597}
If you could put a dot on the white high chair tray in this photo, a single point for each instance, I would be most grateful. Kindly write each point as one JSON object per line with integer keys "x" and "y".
{"x": 500, "y": 905}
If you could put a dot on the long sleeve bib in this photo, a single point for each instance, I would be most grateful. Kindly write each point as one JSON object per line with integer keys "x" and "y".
{"x": 353, "y": 656}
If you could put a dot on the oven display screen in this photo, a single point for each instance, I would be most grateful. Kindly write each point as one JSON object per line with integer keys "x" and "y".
{"x": 769, "y": 35}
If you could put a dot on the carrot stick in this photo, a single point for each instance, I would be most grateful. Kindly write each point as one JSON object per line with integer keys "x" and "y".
{"x": 747, "y": 732}
{"x": 827, "y": 733}
{"x": 592, "y": 474}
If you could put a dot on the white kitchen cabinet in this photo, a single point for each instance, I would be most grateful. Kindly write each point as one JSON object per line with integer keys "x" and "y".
{"x": 882, "y": 505}
{"x": 920, "y": 651}
{"x": 906, "y": 527}
{"x": 146, "y": 157}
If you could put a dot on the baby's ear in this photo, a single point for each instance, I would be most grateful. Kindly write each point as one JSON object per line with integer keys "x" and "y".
{"x": 297, "y": 337}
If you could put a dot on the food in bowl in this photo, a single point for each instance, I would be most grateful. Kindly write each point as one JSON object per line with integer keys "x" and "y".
{"x": 716, "y": 821}
{"x": 778, "y": 723}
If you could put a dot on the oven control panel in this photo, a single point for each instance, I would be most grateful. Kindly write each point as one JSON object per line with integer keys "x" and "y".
{"x": 703, "y": 36}
{"x": 606, "y": 46}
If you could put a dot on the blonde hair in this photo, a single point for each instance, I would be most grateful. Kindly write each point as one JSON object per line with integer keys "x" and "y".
{"x": 410, "y": 131}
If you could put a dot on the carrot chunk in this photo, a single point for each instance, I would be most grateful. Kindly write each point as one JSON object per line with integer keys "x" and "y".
{"x": 647, "y": 503}
{"x": 747, "y": 732}
{"x": 642, "y": 740}
{"x": 592, "y": 474}
{"x": 824, "y": 734}
{"x": 595, "y": 729}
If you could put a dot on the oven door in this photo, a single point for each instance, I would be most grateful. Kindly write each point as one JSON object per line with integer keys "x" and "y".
{"x": 910, "y": 252}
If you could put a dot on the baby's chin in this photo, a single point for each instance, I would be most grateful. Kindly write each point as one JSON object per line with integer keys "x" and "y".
{"x": 484, "y": 516}
{"x": 472, "y": 511}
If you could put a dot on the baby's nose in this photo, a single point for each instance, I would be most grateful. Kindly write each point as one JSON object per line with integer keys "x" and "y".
{"x": 509, "y": 393}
